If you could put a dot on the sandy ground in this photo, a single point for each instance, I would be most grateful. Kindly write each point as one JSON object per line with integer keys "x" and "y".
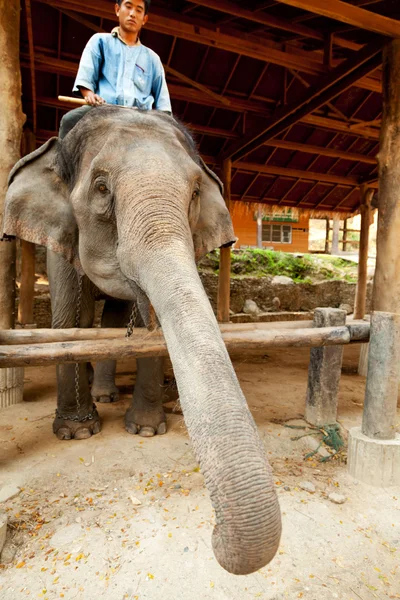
{"x": 78, "y": 532}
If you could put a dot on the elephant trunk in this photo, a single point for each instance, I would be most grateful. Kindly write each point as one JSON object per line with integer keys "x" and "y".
{"x": 224, "y": 436}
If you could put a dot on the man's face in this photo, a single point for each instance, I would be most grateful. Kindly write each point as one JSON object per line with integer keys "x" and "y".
{"x": 131, "y": 15}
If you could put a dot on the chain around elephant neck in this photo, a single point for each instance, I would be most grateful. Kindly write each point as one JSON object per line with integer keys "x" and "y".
{"x": 77, "y": 323}
{"x": 132, "y": 320}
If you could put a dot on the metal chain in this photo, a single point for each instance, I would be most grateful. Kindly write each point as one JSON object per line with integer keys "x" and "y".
{"x": 77, "y": 323}
{"x": 132, "y": 320}
{"x": 79, "y": 419}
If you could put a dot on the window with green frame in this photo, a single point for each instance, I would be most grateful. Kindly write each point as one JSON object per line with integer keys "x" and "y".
{"x": 277, "y": 234}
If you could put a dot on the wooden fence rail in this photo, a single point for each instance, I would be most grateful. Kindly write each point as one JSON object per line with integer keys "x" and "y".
{"x": 144, "y": 343}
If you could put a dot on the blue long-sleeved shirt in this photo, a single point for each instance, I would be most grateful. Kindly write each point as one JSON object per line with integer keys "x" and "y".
{"x": 122, "y": 74}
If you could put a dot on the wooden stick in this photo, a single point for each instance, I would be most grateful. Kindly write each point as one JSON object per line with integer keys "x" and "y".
{"x": 72, "y": 100}
{"x": 45, "y": 336}
{"x": 153, "y": 344}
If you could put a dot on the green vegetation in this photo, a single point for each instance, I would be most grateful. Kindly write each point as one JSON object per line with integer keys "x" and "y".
{"x": 307, "y": 268}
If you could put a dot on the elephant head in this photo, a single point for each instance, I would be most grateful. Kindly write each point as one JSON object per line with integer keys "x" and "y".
{"x": 126, "y": 198}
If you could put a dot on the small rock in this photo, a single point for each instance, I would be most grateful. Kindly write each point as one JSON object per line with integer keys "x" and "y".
{"x": 9, "y": 491}
{"x": 276, "y": 303}
{"x": 250, "y": 308}
{"x": 186, "y": 549}
{"x": 177, "y": 486}
{"x": 3, "y": 529}
{"x": 8, "y": 554}
{"x": 286, "y": 488}
{"x": 337, "y": 498}
{"x": 135, "y": 501}
{"x": 282, "y": 280}
{"x": 347, "y": 308}
{"x": 307, "y": 486}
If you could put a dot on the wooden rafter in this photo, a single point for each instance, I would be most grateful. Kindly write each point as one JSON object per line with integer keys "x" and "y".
{"x": 321, "y": 151}
{"x": 339, "y": 80}
{"x": 51, "y": 64}
{"x": 258, "y": 48}
{"x": 295, "y": 173}
{"x": 352, "y": 15}
{"x": 270, "y": 21}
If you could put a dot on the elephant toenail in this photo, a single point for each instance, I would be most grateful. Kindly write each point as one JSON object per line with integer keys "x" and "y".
{"x": 131, "y": 428}
{"x": 147, "y": 431}
{"x": 162, "y": 428}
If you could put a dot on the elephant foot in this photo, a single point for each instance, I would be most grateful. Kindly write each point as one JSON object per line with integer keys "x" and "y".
{"x": 105, "y": 393}
{"x": 67, "y": 429}
{"x": 145, "y": 423}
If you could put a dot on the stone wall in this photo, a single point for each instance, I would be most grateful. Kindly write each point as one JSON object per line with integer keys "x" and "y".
{"x": 295, "y": 297}
{"x": 292, "y": 297}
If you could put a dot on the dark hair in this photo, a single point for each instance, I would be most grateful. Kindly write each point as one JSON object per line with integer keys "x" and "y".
{"x": 145, "y": 2}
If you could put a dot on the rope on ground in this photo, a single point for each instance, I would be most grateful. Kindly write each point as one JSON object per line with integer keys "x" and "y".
{"x": 330, "y": 437}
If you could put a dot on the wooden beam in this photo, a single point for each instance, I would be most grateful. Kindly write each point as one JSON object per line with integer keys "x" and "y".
{"x": 321, "y": 151}
{"x": 203, "y": 88}
{"x": 296, "y": 173}
{"x": 23, "y": 337}
{"x": 190, "y": 29}
{"x": 271, "y": 21}
{"x": 361, "y": 291}
{"x": 224, "y": 276}
{"x": 352, "y": 15}
{"x": 339, "y": 80}
{"x": 153, "y": 344}
{"x": 194, "y": 96}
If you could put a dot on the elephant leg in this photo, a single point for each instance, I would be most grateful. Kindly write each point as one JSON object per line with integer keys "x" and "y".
{"x": 146, "y": 414}
{"x": 76, "y": 417}
{"x": 116, "y": 313}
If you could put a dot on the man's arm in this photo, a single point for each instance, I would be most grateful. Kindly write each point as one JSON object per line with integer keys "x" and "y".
{"x": 87, "y": 78}
{"x": 160, "y": 91}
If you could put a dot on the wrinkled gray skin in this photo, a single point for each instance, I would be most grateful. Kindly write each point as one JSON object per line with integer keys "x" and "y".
{"x": 124, "y": 198}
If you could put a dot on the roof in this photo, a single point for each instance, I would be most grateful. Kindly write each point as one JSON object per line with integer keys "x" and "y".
{"x": 293, "y": 97}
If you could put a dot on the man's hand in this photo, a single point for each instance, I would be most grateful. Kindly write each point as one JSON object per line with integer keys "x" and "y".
{"x": 91, "y": 98}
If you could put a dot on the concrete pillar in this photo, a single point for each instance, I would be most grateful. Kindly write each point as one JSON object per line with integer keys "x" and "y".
{"x": 324, "y": 372}
{"x": 335, "y": 235}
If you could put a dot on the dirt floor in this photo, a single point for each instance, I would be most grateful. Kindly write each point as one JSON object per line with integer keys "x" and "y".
{"x": 77, "y": 530}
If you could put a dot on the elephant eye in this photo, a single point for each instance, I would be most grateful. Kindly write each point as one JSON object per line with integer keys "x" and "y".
{"x": 195, "y": 194}
{"x": 102, "y": 188}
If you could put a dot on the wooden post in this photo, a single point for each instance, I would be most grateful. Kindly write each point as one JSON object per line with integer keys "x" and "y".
{"x": 224, "y": 278}
{"x": 361, "y": 291}
{"x": 335, "y": 235}
{"x": 379, "y": 420}
{"x": 27, "y": 289}
{"x": 11, "y": 121}
{"x": 344, "y": 240}
{"x": 259, "y": 227}
{"x": 324, "y": 372}
{"x": 327, "y": 237}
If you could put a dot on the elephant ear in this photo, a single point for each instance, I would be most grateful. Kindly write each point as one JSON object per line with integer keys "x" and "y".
{"x": 37, "y": 207}
{"x": 214, "y": 227}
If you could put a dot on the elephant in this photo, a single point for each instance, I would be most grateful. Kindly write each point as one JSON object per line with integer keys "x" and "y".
{"x": 127, "y": 202}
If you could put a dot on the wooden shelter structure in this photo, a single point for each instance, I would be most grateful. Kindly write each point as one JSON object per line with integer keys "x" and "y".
{"x": 288, "y": 94}
{"x": 283, "y": 96}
